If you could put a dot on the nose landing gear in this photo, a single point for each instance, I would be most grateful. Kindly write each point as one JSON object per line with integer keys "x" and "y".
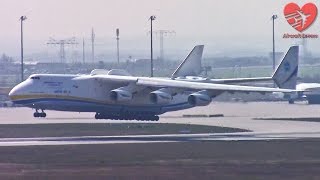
{"x": 37, "y": 114}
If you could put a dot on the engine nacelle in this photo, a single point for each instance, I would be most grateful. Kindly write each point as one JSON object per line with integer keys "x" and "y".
{"x": 120, "y": 95}
{"x": 199, "y": 99}
{"x": 160, "y": 97}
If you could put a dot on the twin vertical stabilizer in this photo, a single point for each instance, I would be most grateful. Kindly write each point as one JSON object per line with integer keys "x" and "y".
{"x": 191, "y": 66}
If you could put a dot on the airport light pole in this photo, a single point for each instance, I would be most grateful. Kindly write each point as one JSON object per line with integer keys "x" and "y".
{"x": 273, "y": 43}
{"x": 152, "y": 18}
{"x": 273, "y": 46}
{"x": 22, "y": 18}
{"x": 117, "y": 33}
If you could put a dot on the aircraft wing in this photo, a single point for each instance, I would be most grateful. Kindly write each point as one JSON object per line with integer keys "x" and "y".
{"x": 156, "y": 82}
{"x": 239, "y": 80}
{"x": 176, "y": 85}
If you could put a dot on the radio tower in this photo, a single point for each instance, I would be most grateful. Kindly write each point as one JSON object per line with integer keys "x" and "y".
{"x": 62, "y": 44}
{"x": 83, "y": 52}
{"x": 162, "y": 34}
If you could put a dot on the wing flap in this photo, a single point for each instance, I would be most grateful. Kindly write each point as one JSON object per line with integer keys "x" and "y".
{"x": 241, "y": 80}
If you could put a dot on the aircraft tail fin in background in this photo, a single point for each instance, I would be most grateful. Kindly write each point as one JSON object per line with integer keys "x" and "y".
{"x": 191, "y": 66}
{"x": 286, "y": 73}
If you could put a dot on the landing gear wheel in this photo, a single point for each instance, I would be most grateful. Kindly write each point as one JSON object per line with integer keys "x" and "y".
{"x": 97, "y": 116}
{"x": 127, "y": 116}
{"x": 36, "y": 114}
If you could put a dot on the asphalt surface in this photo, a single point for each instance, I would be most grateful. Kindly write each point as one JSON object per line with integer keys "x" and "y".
{"x": 236, "y": 115}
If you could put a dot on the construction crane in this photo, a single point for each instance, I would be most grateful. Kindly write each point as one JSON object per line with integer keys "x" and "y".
{"x": 162, "y": 34}
{"x": 62, "y": 43}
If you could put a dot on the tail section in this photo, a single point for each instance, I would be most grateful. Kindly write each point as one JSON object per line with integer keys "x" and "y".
{"x": 191, "y": 66}
{"x": 286, "y": 73}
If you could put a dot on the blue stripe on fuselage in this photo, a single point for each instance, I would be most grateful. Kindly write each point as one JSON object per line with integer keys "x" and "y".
{"x": 34, "y": 102}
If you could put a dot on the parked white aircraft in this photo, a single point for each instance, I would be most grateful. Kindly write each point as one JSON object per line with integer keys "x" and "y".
{"x": 305, "y": 91}
{"x": 310, "y": 92}
{"x": 116, "y": 94}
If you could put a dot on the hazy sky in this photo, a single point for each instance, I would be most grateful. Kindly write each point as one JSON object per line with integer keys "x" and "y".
{"x": 223, "y": 26}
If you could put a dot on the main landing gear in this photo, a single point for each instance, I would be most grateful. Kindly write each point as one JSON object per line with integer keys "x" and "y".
{"x": 37, "y": 114}
{"x": 127, "y": 116}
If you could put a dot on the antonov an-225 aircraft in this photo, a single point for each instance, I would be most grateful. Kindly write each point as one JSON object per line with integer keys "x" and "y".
{"x": 115, "y": 94}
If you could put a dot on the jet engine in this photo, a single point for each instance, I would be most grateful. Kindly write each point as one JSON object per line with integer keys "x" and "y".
{"x": 120, "y": 95}
{"x": 160, "y": 97}
{"x": 200, "y": 98}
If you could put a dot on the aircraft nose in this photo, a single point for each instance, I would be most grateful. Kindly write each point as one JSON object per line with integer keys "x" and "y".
{"x": 12, "y": 93}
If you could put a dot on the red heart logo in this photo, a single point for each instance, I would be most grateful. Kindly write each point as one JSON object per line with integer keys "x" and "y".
{"x": 300, "y": 19}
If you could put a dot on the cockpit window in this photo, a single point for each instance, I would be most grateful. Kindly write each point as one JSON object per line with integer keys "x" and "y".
{"x": 35, "y": 77}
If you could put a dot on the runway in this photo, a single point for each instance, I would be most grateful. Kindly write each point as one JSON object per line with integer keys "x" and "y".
{"x": 236, "y": 115}
{"x": 245, "y": 136}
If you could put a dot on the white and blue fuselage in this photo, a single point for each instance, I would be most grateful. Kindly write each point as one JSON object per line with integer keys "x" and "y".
{"x": 84, "y": 93}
